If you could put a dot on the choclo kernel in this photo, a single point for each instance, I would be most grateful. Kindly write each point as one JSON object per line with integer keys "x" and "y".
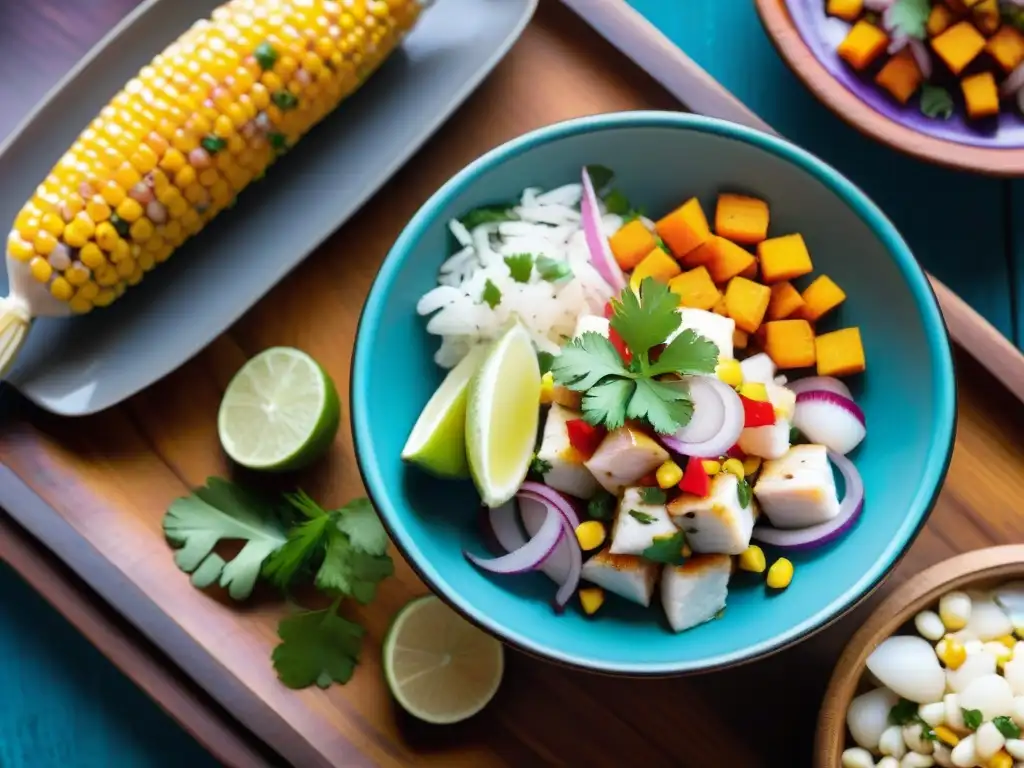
{"x": 668, "y": 474}
{"x": 752, "y": 559}
{"x": 780, "y": 575}
{"x": 751, "y": 464}
{"x": 734, "y": 467}
{"x": 1000, "y": 759}
{"x": 711, "y": 466}
{"x": 591, "y": 598}
{"x": 951, "y": 652}
{"x": 955, "y": 610}
{"x": 590, "y": 534}
{"x": 547, "y": 388}
{"x": 929, "y": 626}
{"x": 730, "y": 372}
{"x": 754, "y": 390}
{"x": 946, "y": 736}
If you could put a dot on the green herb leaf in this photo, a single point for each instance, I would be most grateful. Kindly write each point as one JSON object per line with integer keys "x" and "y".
{"x": 743, "y": 493}
{"x": 605, "y": 403}
{"x": 689, "y": 353}
{"x": 317, "y": 647}
{"x": 646, "y": 320}
{"x": 491, "y": 295}
{"x": 222, "y": 511}
{"x": 936, "y": 102}
{"x": 661, "y": 244}
{"x": 306, "y": 543}
{"x": 278, "y": 141}
{"x": 284, "y": 100}
{"x": 616, "y": 202}
{"x": 520, "y": 266}
{"x": 265, "y": 55}
{"x": 540, "y": 466}
{"x": 664, "y": 406}
{"x": 1007, "y": 727}
{"x": 642, "y": 517}
{"x": 552, "y": 270}
{"x": 651, "y": 495}
{"x": 213, "y": 144}
{"x": 545, "y": 360}
{"x": 350, "y": 570}
{"x": 796, "y": 437}
{"x": 585, "y": 361}
{"x": 601, "y": 506}
{"x": 1013, "y": 16}
{"x": 492, "y": 214}
{"x": 909, "y": 17}
{"x": 667, "y": 549}
{"x": 600, "y": 176}
{"x": 973, "y": 718}
{"x": 360, "y": 522}
{"x": 903, "y": 712}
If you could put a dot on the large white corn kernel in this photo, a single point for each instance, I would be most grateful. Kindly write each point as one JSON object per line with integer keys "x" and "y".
{"x": 988, "y": 740}
{"x": 933, "y": 714}
{"x": 990, "y": 694}
{"x": 964, "y": 754}
{"x": 888, "y": 762}
{"x": 916, "y": 760}
{"x": 913, "y": 737}
{"x": 943, "y": 755}
{"x": 857, "y": 758}
{"x": 954, "y": 715}
{"x": 929, "y": 625}
{"x": 1016, "y": 748}
{"x": 891, "y": 742}
{"x": 955, "y": 610}
{"x": 1018, "y": 711}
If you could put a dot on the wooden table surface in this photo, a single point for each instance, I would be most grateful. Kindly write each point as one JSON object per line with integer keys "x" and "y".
{"x": 112, "y": 475}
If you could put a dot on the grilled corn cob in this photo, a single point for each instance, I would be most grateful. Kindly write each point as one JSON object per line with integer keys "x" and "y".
{"x": 180, "y": 141}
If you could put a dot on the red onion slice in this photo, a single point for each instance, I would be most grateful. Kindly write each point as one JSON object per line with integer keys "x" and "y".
{"x": 829, "y": 419}
{"x": 898, "y": 43}
{"x": 554, "y": 499}
{"x": 558, "y": 504}
{"x": 600, "y": 252}
{"x": 1013, "y": 82}
{"x": 817, "y": 535}
{"x": 878, "y": 6}
{"x": 922, "y": 57}
{"x": 533, "y": 511}
{"x": 731, "y": 419}
{"x": 823, "y": 383}
{"x": 505, "y": 526}
{"x": 529, "y": 556}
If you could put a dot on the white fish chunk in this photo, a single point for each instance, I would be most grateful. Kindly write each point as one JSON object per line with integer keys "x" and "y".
{"x": 717, "y": 524}
{"x": 695, "y": 591}
{"x": 709, "y": 325}
{"x": 592, "y": 324}
{"x": 798, "y": 489}
{"x": 624, "y": 456}
{"x": 772, "y": 441}
{"x": 633, "y": 533}
{"x": 759, "y": 368}
{"x": 567, "y": 473}
{"x": 627, "y": 576}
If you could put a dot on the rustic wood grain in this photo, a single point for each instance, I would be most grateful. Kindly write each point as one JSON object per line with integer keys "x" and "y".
{"x": 110, "y": 477}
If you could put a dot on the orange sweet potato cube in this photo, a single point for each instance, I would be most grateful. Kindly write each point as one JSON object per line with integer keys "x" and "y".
{"x": 981, "y": 95}
{"x": 740, "y": 339}
{"x": 727, "y": 260}
{"x": 986, "y": 16}
{"x": 863, "y": 45}
{"x": 939, "y": 19}
{"x": 631, "y": 243}
{"x": 959, "y": 45}
{"x": 746, "y": 302}
{"x": 685, "y": 228}
{"x": 785, "y": 301}
{"x": 820, "y": 298}
{"x": 900, "y": 76}
{"x": 849, "y": 10}
{"x": 840, "y": 353}
{"x": 743, "y": 220}
{"x": 696, "y": 289}
{"x": 656, "y": 264}
{"x": 719, "y": 308}
{"x": 750, "y": 272}
{"x": 789, "y": 343}
{"x": 783, "y": 258}
{"x": 1007, "y": 47}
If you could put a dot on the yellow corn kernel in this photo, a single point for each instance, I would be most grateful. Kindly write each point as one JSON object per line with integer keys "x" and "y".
{"x": 547, "y": 388}
{"x": 946, "y": 736}
{"x": 45, "y": 242}
{"x": 127, "y": 176}
{"x": 754, "y": 390}
{"x": 91, "y": 256}
{"x": 146, "y": 261}
{"x": 209, "y": 177}
{"x": 1008, "y": 640}
{"x": 173, "y": 161}
{"x": 1001, "y": 759}
{"x": 173, "y": 232}
{"x": 126, "y": 267}
{"x": 590, "y": 534}
{"x": 113, "y": 193}
{"x": 79, "y": 305}
{"x": 955, "y": 610}
{"x": 190, "y": 221}
{"x": 951, "y": 652}
{"x": 752, "y": 559}
{"x": 40, "y": 269}
{"x": 271, "y": 82}
{"x": 129, "y": 210}
{"x": 780, "y": 575}
{"x": 78, "y": 232}
{"x": 750, "y": 465}
{"x": 107, "y": 275}
{"x": 260, "y": 96}
{"x": 88, "y": 291}
{"x": 591, "y": 598}
{"x": 733, "y": 467}
{"x": 73, "y": 205}
{"x": 185, "y": 141}
{"x": 76, "y": 274}
{"x": 106, "y": 236}
{"x": 144, "y": 160}
{"x": 730, "y": 372}
{"x": 135, "y": 277}
{"x": 52, "y": 223}
{"x": 185, "y": 178}
{"x": 179, "y": 208}
{"x": 61, "y": 289}
{"x": 97, "y": 209}
{"x": 196, "y": 194}
{"x": 711, "y": 466}
{"x": 141, "y": 230}
{"x": 223, "y": 127}
{"x": 668, "y": 474}
{"x": 104, "y": 298}
{"x": 18, "y": 248}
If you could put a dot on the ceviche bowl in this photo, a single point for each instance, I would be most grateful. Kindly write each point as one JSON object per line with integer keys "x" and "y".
{"x": 906, "y": 396}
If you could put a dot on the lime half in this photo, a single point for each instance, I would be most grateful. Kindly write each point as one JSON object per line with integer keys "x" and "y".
{"x": 439, "y": 667}
{"x": 280, "y": 411}
{"x": 502, "y": 416}
{"x": 438, "y": 440}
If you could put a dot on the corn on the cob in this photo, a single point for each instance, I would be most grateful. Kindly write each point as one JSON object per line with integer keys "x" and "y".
{"x": 180, "y": 141}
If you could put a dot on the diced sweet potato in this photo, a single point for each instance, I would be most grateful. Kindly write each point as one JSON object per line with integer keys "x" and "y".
{"x": 740, "y": 339}
{"x": 789, "y": 343}
{"x": 696, "y": 289}
{"x": 840, "y": 353}
{"x": 746, "y": 302}
{"x": 783, "y": 258}
{"x": 656, "y": 264}
{"x": 939, "y": 19}
{"x": 986, "y": 16}
{"x": 1007, "y": 47}
{"x": 820, "y": 298}
{"x": 863, "y": 45}
{"x": 728, "y": 260}
{"x": 849, "y": 10}
{"x": 959, "y": 45}
{"x": 631, "y": 243}
{"x": 981, "y": 95}
{"x": 719, "y": 308}
{"x": 741, "y": 219}
{"x": 900, "y": 76}
{"x": 750, "y": 272}
{"x": 785, "y": 301}
{"x": 685, "y": 228}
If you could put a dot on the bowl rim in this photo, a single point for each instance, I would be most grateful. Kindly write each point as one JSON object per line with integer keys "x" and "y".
{"x": 787, "y": 40}
{"x": 939, "y": 454}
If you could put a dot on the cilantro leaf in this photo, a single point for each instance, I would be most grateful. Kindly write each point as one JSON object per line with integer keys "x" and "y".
{"x": 688, "y": 354}
{"x": 605, "y": 402}
{"x": 601, "y": 506}
{"x": 664, "y": 407}
{"x": 539, "y": 466}
{"x": 973, "y": 718}
{"x": 552, "y": 270}
{"x": 1007, "y": 727}
{"x": 491, "y": 295}
{"x": 743, "y": 493}
{"x": 646, "y": 320}
{"x": 349, "y": 570}
{"x": 586, "y": 360}
{"x": 936, "y": 102}
{"x": 520, "y": 266}
{"x": 796, "y": 437}
{"x": 488, "y": 214}
{"x": 544, "y": 360}
{"x": 667, "y": 549}
{"x": 908, "y": 17}
{"x": 642, "y": 517}
{"x": 306, "y": 542}
{"x": 317, "y": 647}
{"x": 616, "y": 202}
{"x": 600, "y": 176}
{"x": 652, "y": 495}
{"x": 222, "y": 511}
{"x": 359, "y": 521}
{"x": 903, "y": 712}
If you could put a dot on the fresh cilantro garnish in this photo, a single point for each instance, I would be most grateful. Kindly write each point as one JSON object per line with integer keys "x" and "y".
{"x": 936, "y": 102}
{"x": 601, "y": 506}
{"x": 520, "y": 266}
{"x": 307, "y": 542}
{"x": 552, "y": 270}
{"x": 663, "y": 406}
{"x": 616, "y": 202}
{"x": 973, "y": 718}
{"x": 651, "y": 495}
{"x": 222, "y": 511}
{"x": 544, "y": 360}
{"x": 661, "y": 244}
{"x": 796, "y": 437}
{"x": 585, "y": 361}
{"x": 1007, "y": 727}
{"x": 539, "y": 466}
{"x": 491, "y": 295}
{"x": 903, "y": 712}
{"x": 667, "y": 549}
{"x": 743, "y": 493}
{"x": 646, "y": 320}
{"x": 317, "y": 647}
{"x": 642, "y": 517}
{"x": 600, "y": 176}
{"x": 909, "y": 18}
{"x": 490, "y": 214}
{"x": 605, "y": 403}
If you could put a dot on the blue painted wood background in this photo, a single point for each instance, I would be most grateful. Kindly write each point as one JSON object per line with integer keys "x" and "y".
{"x": 959, "y": 226}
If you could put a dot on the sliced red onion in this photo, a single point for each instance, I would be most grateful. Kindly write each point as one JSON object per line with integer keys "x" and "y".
{"x": 1013, "y": 82}
{"x": 505, "y": 526}
{"x": 533, "y": 511}
{"x": 829, "y": 419}
{"x": 817, "y": 535}
{"x": 529, "y": 556}
{"x": 600, "y": 252}
{"x": 553, "y": 498}
{"x": 898, "y": 43}
{"x": 877, "y": 6}
{"x": 922, "y": 57}
{"x": 728, "y": 412}
{"x": 823, "y": 383}
{"x": 565, "y": 564}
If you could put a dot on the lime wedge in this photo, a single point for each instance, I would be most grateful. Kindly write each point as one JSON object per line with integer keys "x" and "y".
{"x": 439, "y": 667}
{"x": 280, "y": 411}
{"x": 438, "y": 440}
{"x": 502, "y": 416}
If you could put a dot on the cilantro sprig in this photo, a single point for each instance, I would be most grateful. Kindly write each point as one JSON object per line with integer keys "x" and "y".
{"x": 613, "y": 390}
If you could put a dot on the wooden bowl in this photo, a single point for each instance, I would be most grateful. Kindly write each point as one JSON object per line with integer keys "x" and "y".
{"x": 886, "y": 125}
{"x": 979, "y": 569}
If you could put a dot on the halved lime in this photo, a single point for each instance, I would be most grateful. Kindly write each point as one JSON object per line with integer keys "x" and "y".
{"x": 502, "y": 416}
{"x": 437, "y": 442}
{"x": 439, "y": 667}
{"x": 280, "y": 411}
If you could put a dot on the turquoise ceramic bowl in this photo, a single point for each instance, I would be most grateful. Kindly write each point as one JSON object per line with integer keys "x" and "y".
{"x": 908, "y": 393}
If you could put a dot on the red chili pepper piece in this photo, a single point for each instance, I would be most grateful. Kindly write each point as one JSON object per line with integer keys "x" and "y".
{"x": 620, "y": 345}
{"x": 735, "y": 453}
{"x": 757, "y": 413}
{"x": 609, "y": 310}
{"x": 584, "y": 437}
{"x": 650, "y": 480}
{"x": 695, "y": 480}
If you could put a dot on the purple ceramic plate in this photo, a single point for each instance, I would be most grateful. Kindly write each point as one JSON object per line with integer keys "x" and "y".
{"x": 822, "y": 34}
